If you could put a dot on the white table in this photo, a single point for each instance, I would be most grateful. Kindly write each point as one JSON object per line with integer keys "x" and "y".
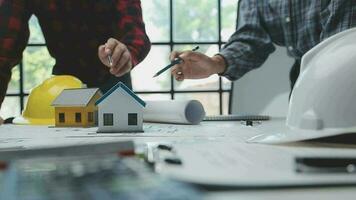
{"x": 12, "y": 136}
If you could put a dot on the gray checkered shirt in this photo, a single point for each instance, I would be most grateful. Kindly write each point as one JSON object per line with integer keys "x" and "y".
{"x": 298, "y": 25}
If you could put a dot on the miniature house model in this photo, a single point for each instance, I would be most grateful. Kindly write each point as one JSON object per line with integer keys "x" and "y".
{"x": 120, "y": 110}
{"x": 76, "y": 107}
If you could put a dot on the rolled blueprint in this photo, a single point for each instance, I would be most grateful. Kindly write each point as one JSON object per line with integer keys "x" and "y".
{"x": 174, "y": 111}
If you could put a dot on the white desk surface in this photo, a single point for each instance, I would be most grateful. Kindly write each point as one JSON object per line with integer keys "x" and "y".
{"x": 12, "y": 136}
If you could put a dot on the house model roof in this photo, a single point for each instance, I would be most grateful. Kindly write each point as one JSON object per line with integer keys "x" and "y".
{"x": 126, "y": 89}
{"x": 75, "y": 97}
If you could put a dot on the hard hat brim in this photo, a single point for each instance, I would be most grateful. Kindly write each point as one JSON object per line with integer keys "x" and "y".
{"x": 20, "y": 120}
{"x": 283, "y": 134}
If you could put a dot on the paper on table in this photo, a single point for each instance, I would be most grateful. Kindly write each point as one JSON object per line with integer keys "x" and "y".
{"x": 234, "y": 164}
{"x": 173, "y": 111}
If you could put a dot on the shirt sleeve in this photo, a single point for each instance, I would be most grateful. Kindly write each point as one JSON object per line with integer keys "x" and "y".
{"x": 250, "y": 45}
{"x": 133, "y": 28}
{"x": 14, "y": 34}
{"x": 337, "y": 16}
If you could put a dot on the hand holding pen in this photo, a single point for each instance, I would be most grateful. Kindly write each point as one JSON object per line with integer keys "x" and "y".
{"x": 116, "y": 56}
{"x": 175, "y": 61}
{"x": 196, "y": 65}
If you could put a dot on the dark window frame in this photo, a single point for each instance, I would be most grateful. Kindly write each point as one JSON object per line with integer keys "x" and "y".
{"x": 61, "y": 118}
{"x": 108, "y": 119}
{"x": 78, "y": 117}
{"x": 90, "y": 117}
{"x": 132, "y": 119}
{"x": 171, "y": 43}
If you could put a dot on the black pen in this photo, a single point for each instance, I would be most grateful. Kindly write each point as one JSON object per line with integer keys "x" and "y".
{"x": 326, "y": 165}
{"x": 176, "y": 61}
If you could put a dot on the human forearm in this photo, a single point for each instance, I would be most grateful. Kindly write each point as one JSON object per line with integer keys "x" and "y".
{"x": 242, "y": 58}
{"x": 5, "y": 76}
{"x": 132, "y": 25}
{"x": 14, "y": 34}
{"x": 139, "y": 49}
{"x": 250, "y": 45}
{"x": 244, "y": 53}
{"x": 219, "y": 64}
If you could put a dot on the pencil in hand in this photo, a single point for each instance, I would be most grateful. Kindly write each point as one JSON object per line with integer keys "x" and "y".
{"x": 176, "y": 61}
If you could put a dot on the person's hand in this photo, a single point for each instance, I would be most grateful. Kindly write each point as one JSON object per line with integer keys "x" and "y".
{"x": 196, "y": 65}
{"x": 121, "y": 57}
{"x": 1, "y": 121}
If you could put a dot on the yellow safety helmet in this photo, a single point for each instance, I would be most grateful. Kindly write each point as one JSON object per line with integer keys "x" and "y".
{"x": 38, "y": 110}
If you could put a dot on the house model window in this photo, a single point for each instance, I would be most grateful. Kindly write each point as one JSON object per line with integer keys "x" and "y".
{"x": 108, "y": 119}
{"x": 90, "y": 116}
{"x": 78, "y": 117}
{"x": 61, "y": 117}
{"x": 132, "y": 119}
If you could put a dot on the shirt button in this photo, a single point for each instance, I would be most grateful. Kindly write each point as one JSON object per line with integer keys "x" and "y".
{"x": 290, "y": 48}
{"x": 287, "y": 19}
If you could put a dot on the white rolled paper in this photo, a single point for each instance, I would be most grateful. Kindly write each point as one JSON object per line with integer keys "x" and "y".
{"x": 174, "y": 111}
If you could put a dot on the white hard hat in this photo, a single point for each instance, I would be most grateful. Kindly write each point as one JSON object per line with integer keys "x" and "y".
{"x": 324, "y": 97}
{"x": 323, "y": 101}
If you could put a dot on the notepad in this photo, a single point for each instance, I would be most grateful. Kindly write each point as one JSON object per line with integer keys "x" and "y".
{"x": 236, "y": 117}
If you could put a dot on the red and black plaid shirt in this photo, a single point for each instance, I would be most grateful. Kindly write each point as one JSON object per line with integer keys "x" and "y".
{"x": 73, "y": 30}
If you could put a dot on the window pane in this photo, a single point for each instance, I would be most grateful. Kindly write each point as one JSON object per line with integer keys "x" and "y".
{"x": 142, "y": 75}
{"x": 96, "y": 117}
{"x": 108, "y": 119}
{"x": 228, "y": 17}
{"x": 226, "y": 84}
{"x": 61, "y": 118}
{"x": 210, "y": 101}
{"x": 25, "y": 99}
{"x": 211, "y": 83}
{"x": 225, "y": 103}
{"x": 195, "y": 20}
{"x": 36, "y": 36}
{"x": 14, "y": 85}
{"x": 90, "y": 116}
{"x": 154, "y": 97}
{"x": 10, "y": 107}
{"x": 37, "y": 66}
{"x": 78, "y": 117}
{"x": 156, "y": 18}
{"x": 132, "y": 119}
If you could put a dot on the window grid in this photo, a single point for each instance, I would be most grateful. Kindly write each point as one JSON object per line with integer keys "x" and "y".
{"x": 108, "y": 119}
{"x": 171, "y": 44}
{"x": 22, "y": 95}
{"x": 132, "y": 119}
